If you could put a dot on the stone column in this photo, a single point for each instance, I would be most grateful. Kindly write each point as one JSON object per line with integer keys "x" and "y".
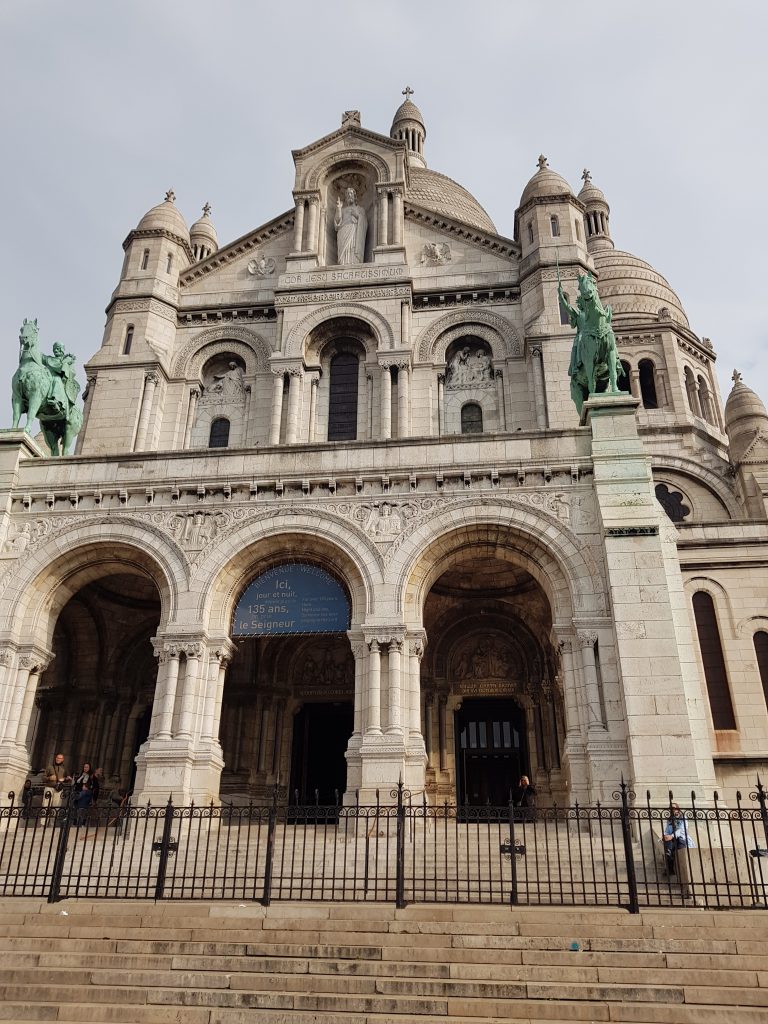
{"x": 314, "y": 205}
{"x": 359, "y": 651}
{"x": 383, "y": 218}
{"x": 266, "y": 709}
{"x": 394, "y": 695}
{"x": 278, "y": 734}
{"x": 28, "y": 701}
{"x": 397, "y": 216}
{"x": 696, "y": 401}
{"x": 18, "y": 691}
{"x": 209, "y": 699}
{"x": 385, "y": 417}
{"x": 221, "y": 679}
{"x": 314, "y": 385}
{"x": 6, "y": 685}
{"x": 277, "y": 406}
{"x": 662, "y": 395}
{"x": 151, "y": 380}
{"x": 193, "y": 653}
{"x": 405, "y": 323}
{"x": 369, "y": 382}
{"x": 373, "y": 701}
{"x": 165, "y": 696}
{"x": 194, "y": 397}
{"x": 539, "y": 393}
{"x": 634, "y": 382}
{"x": 294, "y": 397}
{"x": 587, "y": 640}
{"x": 441, "y": 404}
{"x": 298, "y": 234}
{"x": 403, "y": 399}
{"x": 246, "y": 437}
{"x": 500, "y": 399}
{"x": 442, "y": 702}
{"x": 415, "y": 654}
{"x": 569, "y": 690}
{"x": 429, "y": 708}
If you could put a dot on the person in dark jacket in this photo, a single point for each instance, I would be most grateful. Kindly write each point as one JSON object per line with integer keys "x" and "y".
{"x": 525, "y": 798}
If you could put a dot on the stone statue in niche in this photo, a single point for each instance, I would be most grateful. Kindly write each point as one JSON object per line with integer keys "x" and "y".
{"x": 351, "y": 226}
{"x": 227, "y": 386}
{"x": 470, "y": 368}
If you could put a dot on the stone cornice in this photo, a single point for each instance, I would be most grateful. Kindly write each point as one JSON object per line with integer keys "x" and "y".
{"x": 160, "y": 233}
{"x": 364, "y": 134}
{"x": 486, "y": 240}
{"x": 272, "y": 229}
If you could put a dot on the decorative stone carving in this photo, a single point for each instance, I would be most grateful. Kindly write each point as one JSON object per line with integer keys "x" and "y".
{"x": 435, "y": 254}
{"x": 470, "y": 368}
{"x": 261, "y": 265}
{"x": 193, "y": 530}
{"x": 384, "y": 521}
{"x": 500, "y": 334}
{"x": 586, "y": 637}
{"x": 227, "y": 387}
{"x": 486, "y": 658}
{"x": 254, "y": 350}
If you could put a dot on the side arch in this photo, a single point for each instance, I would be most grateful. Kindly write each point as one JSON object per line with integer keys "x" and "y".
{"x": 32, "y": 598}
{"x": 500, "y": 334}
{"x": 249, "y": 344}
{"x": 698, "y": 473}
{"x": 382, "y": 330}
{"x": 544, "y": 548}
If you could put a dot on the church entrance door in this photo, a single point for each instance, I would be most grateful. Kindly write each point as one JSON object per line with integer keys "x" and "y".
{"x": 491, "y": 751}
{"x": 321, "y": 733}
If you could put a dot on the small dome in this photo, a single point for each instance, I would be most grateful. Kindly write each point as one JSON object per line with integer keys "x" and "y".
{"x": 203, "y": 232}
{"x": 165, "y": 217}
{"x": 590, "y": 193}
{"x": 545, "y": 182}
{"x": 743, "y": 404}
{"x": 440, "y": 194}
{"x": 407, "y": 111}
{"x": 634, "y": 288}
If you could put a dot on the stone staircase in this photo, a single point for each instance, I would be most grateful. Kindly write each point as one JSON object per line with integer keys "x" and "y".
{"x": 139, "y": 962}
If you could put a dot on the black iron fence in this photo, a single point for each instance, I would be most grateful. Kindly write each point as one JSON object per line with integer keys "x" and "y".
{"x": 625, "y": 853}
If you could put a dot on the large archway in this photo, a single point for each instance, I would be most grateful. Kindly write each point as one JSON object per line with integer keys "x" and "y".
{"x": 94, "y": 701}
{"x": 492, "y": 704}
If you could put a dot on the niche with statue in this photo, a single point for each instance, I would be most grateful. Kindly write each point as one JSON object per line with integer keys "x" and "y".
{"x": 350, "y": 220}
{"x": 220, "y": 421}
{"x": 471, "y": 405}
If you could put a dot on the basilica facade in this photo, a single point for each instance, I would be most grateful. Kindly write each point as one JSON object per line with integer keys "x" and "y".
{"x": 333, "y": 519}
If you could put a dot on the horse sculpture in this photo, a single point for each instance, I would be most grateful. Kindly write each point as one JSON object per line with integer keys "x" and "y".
{"x": 594, "y": 356}
{"x": 45, "y": 388}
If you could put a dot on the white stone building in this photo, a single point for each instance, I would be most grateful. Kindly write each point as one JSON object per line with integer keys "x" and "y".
{"x": 370, "y": 392}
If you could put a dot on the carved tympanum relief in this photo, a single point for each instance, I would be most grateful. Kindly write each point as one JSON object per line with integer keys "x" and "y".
{"x": 470, "y": 367}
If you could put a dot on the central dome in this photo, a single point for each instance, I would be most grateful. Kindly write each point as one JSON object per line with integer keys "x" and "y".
{"x": 441, "y": 194}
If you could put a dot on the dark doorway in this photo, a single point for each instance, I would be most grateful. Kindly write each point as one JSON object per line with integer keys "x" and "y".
{"x": 321, "y": 733}
{"x": 491, "y": 751}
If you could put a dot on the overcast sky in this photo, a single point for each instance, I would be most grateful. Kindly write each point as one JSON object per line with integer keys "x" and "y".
{"x": 106, "y": 105}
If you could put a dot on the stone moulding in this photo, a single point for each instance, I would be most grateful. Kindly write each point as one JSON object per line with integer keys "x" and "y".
{"x": 190, "y": 358}
{"x": 501, "y": 334}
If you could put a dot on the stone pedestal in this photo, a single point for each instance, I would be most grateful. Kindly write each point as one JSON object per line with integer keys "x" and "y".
{"x": 668, "y": 742}
{"x": 171, "y": 767}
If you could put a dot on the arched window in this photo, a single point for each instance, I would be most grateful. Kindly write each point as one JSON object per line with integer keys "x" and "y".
{"x": 648, "y": 384}
{"x": 530, "y": 233}
{"x": 690, "y": 390}
{"x": 342, "y": 407}
{"x": 219, "y": 435}
{"x": 760, "y": 641}
{"x": 712, "y": 659}
{"x": 705, "y": 401}
{"x": 471, "y": 418}
{"x": 564, "y": 315}
{"x": 625, "y": 381}
{"x": 169, "y": 263}
{"x": 128, "y": 340}
{"x": 145, "y": 260}
{"x": 554, "y": 225}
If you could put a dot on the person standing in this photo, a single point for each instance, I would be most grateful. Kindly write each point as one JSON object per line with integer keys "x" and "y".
{"x": 525, "y": 798}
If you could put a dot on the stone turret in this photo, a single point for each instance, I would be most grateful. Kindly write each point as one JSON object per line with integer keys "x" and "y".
{"x": 408, "y": 125}
{"x": 202, "y": 235}
{"x": 746, "y": 424}
{"x": 596, "y": 218}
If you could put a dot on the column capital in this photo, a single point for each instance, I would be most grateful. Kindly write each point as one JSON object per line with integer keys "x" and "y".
{"x": 586, "y": 637}
{"x": 35, "y": 659}
{"x": 152, "y": 377}
{"x": 195, "y": 391}
{"x": 384, "y": 634}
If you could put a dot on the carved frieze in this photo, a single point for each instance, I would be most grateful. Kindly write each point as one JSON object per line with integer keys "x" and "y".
{"x": 261, "y": 265}
{"x": 435, "y": 254}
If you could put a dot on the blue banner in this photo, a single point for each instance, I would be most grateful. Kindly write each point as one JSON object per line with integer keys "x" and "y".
{"x": 292, "y": 598}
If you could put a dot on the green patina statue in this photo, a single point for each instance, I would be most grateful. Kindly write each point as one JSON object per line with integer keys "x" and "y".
{"x": 594, "y": 356}
{"x": 45, "y": 388}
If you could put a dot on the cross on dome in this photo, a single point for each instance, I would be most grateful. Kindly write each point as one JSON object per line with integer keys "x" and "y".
{"x": 207, "y": 210}
{"x": 543, "y": 162}
{"x": 407, "y": 92}
{"x": 586, "y": 176}
{"x": 170, "y": 196}
{"x": 736, "y": 377}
